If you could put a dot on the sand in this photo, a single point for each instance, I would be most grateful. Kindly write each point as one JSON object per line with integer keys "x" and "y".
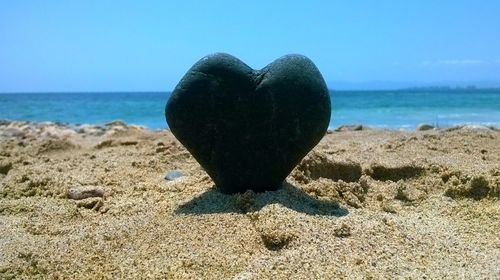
{"x": 92, "y": 202}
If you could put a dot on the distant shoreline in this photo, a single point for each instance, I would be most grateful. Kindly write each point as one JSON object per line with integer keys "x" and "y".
{"x": 18, "y": 128}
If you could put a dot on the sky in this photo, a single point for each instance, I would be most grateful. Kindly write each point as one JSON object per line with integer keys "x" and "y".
{"x": 59, "y": 46}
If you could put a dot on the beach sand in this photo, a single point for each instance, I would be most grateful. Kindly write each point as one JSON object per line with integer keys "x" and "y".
{"x": 92, "y": 202}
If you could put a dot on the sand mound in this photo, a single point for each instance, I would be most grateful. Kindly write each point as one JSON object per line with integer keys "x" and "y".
{"x": 317, "y": 165}
{"x": 477, "y": 187}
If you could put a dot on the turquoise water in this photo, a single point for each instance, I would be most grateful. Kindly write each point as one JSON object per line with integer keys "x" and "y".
{"x": 389, "y": 109}
{"x": 407, "y": 109}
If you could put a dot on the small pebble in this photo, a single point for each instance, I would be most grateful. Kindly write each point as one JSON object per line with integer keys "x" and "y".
{"x": 424, "y": 127}
{"x": 173, "y": 175}
{"x": 82, "y": 192}
{"x": 354, "y": 127}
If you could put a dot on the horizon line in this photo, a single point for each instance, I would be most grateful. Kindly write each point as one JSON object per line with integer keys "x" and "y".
{"x": 447, "y": 88}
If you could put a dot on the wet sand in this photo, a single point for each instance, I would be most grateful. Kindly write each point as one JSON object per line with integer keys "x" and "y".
{"x": 92, "y": 202}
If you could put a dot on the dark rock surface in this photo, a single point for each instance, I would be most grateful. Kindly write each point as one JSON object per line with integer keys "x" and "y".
{"x": 249, "y": 128}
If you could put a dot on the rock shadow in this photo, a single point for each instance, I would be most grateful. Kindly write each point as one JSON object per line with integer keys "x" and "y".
{"x": 213, "y": 201}
{"x": 384, "y": 173}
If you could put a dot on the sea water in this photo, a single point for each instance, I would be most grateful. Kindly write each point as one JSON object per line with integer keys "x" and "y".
{"x": 385, "y": 109}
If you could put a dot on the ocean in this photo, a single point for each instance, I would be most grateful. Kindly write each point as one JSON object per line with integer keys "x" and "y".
{"x": 384, "y": 109}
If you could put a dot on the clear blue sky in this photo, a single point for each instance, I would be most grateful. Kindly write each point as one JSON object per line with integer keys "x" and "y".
{"x": 148, "y": 45}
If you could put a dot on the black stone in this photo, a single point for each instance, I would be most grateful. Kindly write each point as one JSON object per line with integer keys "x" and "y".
{"x": 249, "y": 128}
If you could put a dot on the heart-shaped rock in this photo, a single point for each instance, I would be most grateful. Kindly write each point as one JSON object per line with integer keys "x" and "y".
{"x": 249, "y": 128}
